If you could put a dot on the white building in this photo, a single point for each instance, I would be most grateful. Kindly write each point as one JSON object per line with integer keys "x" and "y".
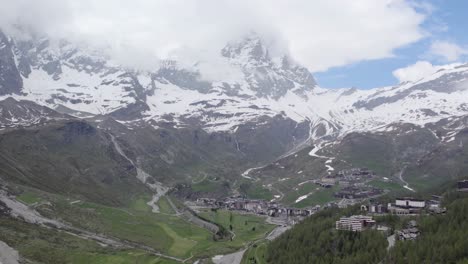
{"x": 354, "y": 223}
{"x": 410, "y": 203}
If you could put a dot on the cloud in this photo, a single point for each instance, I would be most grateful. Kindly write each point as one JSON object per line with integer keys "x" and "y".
{"x": 416, "y": 71}
{"x": 36, "y": 17}
{"x": 319, "y": 34}
{"x": 448, "y": 51}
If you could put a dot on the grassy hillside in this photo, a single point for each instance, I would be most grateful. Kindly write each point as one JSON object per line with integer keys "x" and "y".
{"x": 245, "y": 227}
{"x": 45, "y": 245}
{"x": 448, "y": 161}
{"x": 71, "y": 158}
{"x": 164, "y": 232}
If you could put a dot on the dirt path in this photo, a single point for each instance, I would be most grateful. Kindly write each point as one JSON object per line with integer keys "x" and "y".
{"x": 169, "y": 200}
{"x": 405, "y": 184}
{"x": 157, "y": 187}
{"x": 277, "y": 232}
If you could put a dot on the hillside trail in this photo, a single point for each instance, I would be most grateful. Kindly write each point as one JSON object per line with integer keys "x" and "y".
{"x": 405, "y": 184}
{"x": 158, "y": 188}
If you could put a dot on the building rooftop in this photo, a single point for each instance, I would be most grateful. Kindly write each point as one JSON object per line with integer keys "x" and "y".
{"x": 410, "y": 199}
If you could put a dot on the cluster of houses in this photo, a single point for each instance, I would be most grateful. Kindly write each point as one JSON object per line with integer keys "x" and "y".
{"x": 346, "y": 177}
{"x": 355, "y": 192}
{"x": 405, "y": 206}
{"x": 358, "y": 223}
{"x": 257, "y": 206}
{"x": 354, "y": 175}
{"x": 401, "y": 206}
{"x": 326, "y": 182}
{"x": 352, "y": 182}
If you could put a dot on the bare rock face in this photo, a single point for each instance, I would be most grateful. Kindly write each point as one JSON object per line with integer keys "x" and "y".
{"x": 10, "y": 78}
{"x": 268, "y": 76}
{"x": 4, "y": 209}
{"x": 24, "y": 113}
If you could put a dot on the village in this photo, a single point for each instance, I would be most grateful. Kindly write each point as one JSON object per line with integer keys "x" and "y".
{"x": 407, "y": 206}
{"x": 260, "y": 207}
{"x": 288, "y": 216}
{"x": 353, "y": 183}
{"x": 353, "y": 190}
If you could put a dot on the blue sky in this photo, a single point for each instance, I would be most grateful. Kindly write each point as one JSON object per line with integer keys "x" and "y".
{"x": 447, "y": 21}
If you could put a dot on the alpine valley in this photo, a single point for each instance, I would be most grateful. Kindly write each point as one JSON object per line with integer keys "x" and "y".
{"x": 99, "y": 161}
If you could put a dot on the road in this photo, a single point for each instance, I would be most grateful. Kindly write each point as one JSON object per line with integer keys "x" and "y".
{"x": 391, "y": 241}
{"x": 277, "y": 232}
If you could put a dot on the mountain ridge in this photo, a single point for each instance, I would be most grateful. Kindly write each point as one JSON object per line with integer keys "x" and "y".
{"x": 269, "y": 99}
{"x": 89, "y": 83}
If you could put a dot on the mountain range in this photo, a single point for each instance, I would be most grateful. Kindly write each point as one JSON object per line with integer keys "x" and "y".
{"x": 210, "y": 126}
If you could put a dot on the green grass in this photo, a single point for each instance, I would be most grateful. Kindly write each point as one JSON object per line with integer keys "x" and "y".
{"x": 318, "y": 195}
{"x": 126, "y": 257}
{"x": 387, "y": 185}
{"x": 304, "y": 189}
{"x": 245, "y": 226}
{"x": 322, "y": 196}
{"x": 424, "y": 182}
{"x": 242, "y": 227}
{"x": 255, "y": 191}
{"x": 180, "y": 245}
{"x": 205, "y": 186}
{"x": 28, "y": 198}
{"x": 255, "y": 254}
{"x": 140, "y": 203}
{"x": 163, "y": 231}
{"x": 164, "y": 206}
{"x": 166, "y": 233}
{"x": 44, "y": 245}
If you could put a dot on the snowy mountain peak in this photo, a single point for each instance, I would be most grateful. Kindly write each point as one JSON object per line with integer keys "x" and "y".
{"x": 248, "y": 52}
{"x": 76, "y": 80}
{"x": 266, "y": 75}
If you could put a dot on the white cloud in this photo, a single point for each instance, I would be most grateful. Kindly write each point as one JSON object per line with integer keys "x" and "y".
{"x": 448, "y": 51}
{"x": 319, "y": 34}
{"x": 416, "y": 71}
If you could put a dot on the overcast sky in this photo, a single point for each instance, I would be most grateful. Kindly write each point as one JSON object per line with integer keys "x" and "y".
{"x": 332, "y": 38}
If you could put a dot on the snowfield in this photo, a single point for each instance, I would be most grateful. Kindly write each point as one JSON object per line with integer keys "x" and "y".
{"x": 250, "y": 84}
